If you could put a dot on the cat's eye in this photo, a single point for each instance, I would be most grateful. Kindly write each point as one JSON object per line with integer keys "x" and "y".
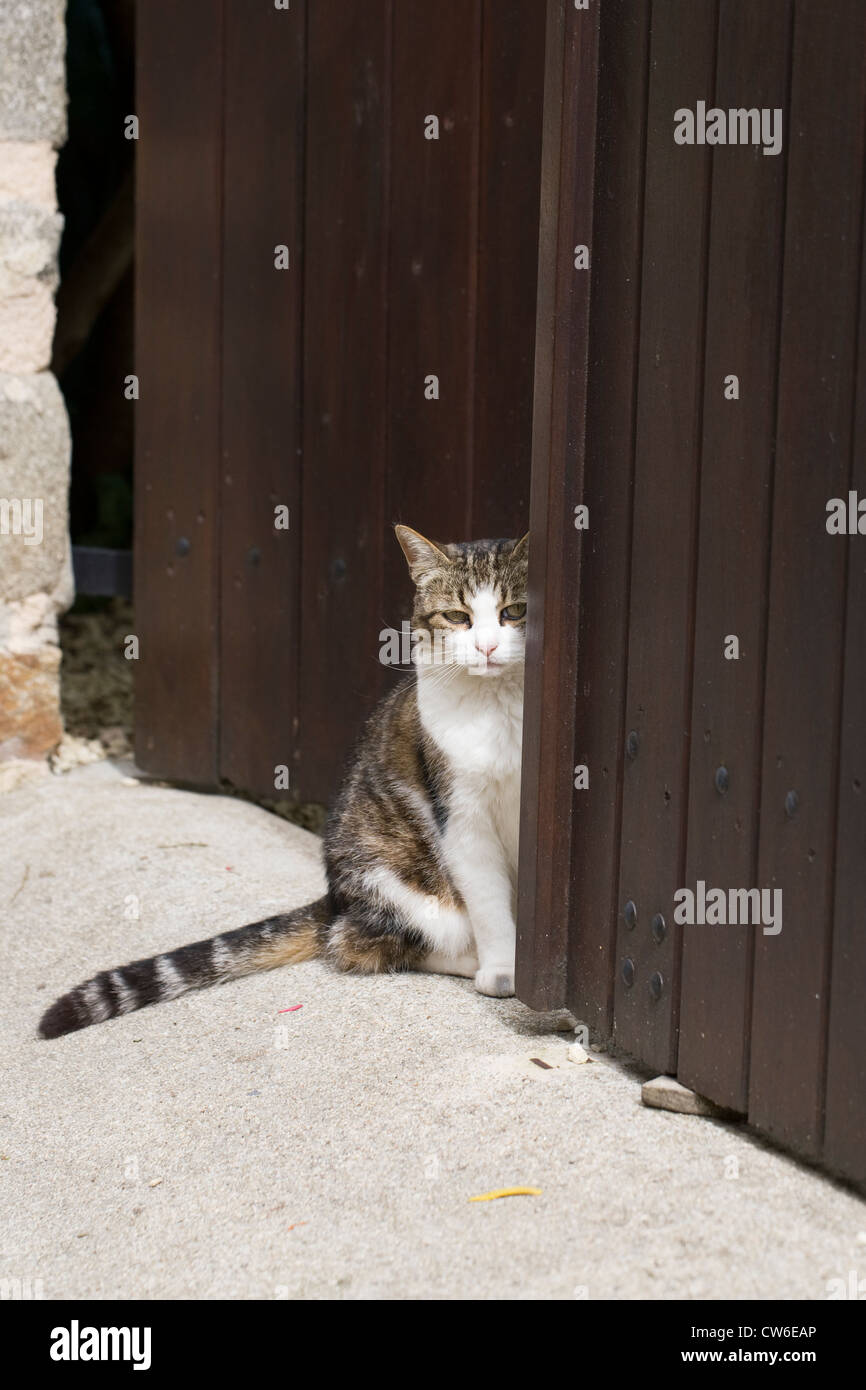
{"x": 458, "y": 617}
{"x": 514, "y": 612}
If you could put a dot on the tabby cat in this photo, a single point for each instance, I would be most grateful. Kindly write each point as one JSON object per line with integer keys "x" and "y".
{"x": 421, "y": 845}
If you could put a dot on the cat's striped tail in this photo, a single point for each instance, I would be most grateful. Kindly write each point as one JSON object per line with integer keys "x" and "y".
{"x": 281, "y": 940}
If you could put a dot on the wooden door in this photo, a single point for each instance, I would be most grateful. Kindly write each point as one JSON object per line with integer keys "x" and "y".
{"x": 700, "y": 390}
{"x": 337, "y": 203}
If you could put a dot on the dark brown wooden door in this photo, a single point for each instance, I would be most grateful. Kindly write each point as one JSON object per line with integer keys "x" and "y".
{"x": 308, "y": 387}
{"x": 739, "y": 766}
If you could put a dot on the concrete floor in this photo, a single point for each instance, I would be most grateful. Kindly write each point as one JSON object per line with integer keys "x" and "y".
{"x": 216, "y": 1148}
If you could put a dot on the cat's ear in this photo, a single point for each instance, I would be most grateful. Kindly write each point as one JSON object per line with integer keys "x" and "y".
{"x": 521, "y": 548}
{"x": 421, "y": 555}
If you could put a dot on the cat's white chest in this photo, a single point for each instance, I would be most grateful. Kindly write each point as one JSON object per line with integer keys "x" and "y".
{"x": 479, "y": 729}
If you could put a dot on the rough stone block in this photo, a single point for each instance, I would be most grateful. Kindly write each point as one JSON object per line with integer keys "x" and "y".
{"x": 29, "y": 241}
{"x": 30, "y": 725}
{"x": 27, "y": 173}
{"x": 34, "y": 482}
{"x": 33, "y": 70}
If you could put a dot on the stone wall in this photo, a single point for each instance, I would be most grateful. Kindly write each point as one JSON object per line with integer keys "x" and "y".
{"x": 35, "y": 566}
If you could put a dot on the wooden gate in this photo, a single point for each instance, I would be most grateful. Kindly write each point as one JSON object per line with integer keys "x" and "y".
{"x": 707, "y": 501}
{"x": 393, "y": 151}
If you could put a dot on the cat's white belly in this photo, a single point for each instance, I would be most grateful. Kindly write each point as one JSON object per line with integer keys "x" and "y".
{"x": 505, "y": 812}
{"x": 489, "y": 802}
{"x": 477, "y": 723}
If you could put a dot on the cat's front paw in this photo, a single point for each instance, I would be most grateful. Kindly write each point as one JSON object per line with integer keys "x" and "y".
{"x": 495, "y": 980}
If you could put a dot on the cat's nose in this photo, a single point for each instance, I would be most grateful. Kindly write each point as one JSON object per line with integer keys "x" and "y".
{"x": 487, "y": 647}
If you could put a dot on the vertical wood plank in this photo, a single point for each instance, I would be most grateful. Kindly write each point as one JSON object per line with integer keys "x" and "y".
{"x": 801, "y": 724}
{"x": 345, "y": 366}
{"x": 178, "y": 340}
{"x": 432, "y": 277}
{"x": 683, "y": 53}
{"x": 746, "y": 232}
{"x": 260, "y": 638}
{"x": 845, "y": 1127}
{"x": 512, "y": 80}
{"x": 558, "y": 443}
{"x": 608, "y": 489}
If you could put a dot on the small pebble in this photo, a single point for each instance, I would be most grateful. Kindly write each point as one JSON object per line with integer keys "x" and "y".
{"x": 154, "y": 1182}
{"x": 576, "y": 1053}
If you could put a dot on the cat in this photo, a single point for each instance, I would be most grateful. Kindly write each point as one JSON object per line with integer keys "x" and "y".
{"x": 421, "y": 845}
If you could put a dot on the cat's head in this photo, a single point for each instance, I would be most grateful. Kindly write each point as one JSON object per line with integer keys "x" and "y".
{"x": 470, "y": 602}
